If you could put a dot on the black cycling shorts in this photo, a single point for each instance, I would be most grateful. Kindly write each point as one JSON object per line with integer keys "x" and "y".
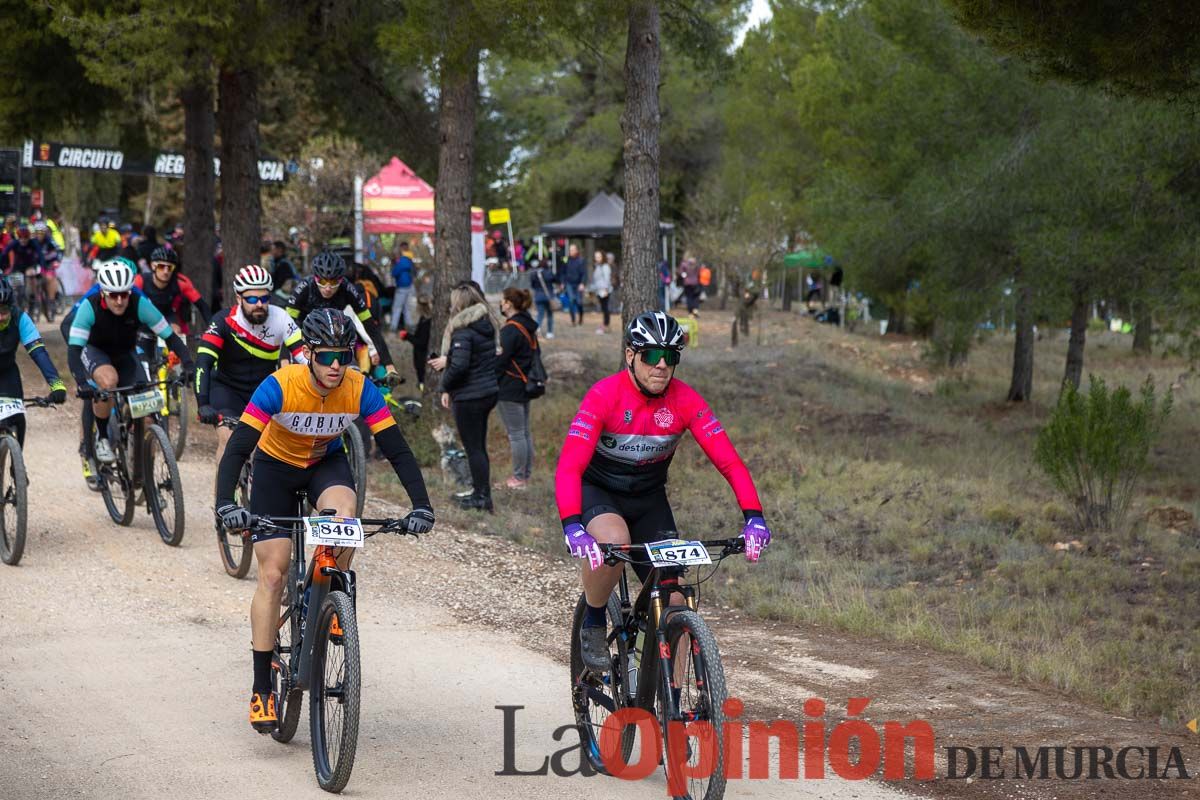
{"x": 130, "y": 370}
{"x": 228, "y": 402}
{"x": 274, "y": 483}
{"x": 648, "y": 515}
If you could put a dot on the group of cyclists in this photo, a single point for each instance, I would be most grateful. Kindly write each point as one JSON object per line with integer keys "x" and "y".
{"x": 610, "y": 482}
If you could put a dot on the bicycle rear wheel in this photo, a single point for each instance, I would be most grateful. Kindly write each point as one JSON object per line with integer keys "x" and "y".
{"x": 234, "y": 546}
{"x": 356, "y": 453}
{"x": 12, "y": 496}
{"x": 696, "y": 664}
{"x": 288, "y": 700}
{"x": 596, "y": 697}
{"x": 162, "y": 485}
{"x": 334, "y": 701}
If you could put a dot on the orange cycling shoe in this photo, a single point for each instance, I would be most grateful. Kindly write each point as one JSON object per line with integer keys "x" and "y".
{"x": 262, "y": 714}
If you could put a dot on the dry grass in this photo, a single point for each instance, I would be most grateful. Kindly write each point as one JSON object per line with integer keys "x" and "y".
{"x": 906, "y": 505}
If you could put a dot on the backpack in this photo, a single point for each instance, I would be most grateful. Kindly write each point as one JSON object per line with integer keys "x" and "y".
{"x": 535, "y": 379}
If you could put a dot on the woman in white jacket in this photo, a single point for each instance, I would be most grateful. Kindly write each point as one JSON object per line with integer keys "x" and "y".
{"x": 602, "y": 285}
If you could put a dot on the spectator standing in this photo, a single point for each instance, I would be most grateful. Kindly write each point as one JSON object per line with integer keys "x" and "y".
{"x": 602, "y": 285}
{"x": 664, "y": 284}
{"x": 518, "y": 340}
{"x": 690, "y": 271}
{"x": 147, "y": 246}
{"x": 469, "y": 386}
{"x": 402, "y": 276}
{"x": 573, "y": 279}
{"x": 283, "y": 273}
{"x": 542, "y": 280}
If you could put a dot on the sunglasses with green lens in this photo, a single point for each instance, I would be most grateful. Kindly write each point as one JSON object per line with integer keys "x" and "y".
{"x": 326, "y": 357}
{"x": 653, "y": 355}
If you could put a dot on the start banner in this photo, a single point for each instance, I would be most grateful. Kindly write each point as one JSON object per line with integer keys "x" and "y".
{"x": 163, "y": 164}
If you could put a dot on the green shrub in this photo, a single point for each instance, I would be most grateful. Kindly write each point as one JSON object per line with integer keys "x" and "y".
{"x": 1095, "y": 447}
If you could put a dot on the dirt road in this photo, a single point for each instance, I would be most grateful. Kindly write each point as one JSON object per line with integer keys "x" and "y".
{"x": 125, "y": 666}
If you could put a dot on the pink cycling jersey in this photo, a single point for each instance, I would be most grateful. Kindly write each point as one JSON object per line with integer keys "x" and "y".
{"x": 623, "y": 441}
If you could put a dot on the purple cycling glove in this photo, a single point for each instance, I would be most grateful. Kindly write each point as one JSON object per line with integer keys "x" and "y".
{"x": 757, "y": 536}
{"x": 580, "y": 544}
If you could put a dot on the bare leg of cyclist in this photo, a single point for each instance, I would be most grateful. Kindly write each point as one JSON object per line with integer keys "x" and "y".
{"x": 599, "y": 583}
{"x": 273, "y": 556}
{"x": 342, "y": 500}
{"x": 105, "y": 377}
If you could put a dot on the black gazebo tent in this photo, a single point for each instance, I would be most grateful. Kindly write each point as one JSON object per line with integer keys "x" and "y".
{"x": 603, "y": 216}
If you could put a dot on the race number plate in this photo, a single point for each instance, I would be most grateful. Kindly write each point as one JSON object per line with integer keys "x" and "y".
{"x": 677, "y": 552}
{"x": 144, "y": 404}
{"x": 333, "y": 531}
{"x": 10, "y": 406}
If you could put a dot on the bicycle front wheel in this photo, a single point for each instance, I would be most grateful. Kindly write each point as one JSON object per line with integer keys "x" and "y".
{"x": 115, "y": 486}
{"x": 595, "y": 697}
{"x": 12, "y": 496}
{"x": 695, "y": 665}
{"x": 334, "y": 695}
{"x": 163, "y": 488}
{"x": 236, "y": 550}
{"x": 356, "y": 453}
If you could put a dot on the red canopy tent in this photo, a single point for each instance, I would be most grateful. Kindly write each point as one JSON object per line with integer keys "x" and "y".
{"x": 398, "y": 201}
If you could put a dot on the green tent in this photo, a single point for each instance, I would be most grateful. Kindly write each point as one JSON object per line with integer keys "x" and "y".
{"x": 808, "y": 259}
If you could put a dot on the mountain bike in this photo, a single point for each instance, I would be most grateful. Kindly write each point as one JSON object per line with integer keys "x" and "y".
{"x": 13, "y": 480}
{"x": 164, "y": 366}
{"x": 234, "y": 546}
{"x": 664, "y": 660}
{"x": 144, "y": 469}
{"x": 317, "y": 647}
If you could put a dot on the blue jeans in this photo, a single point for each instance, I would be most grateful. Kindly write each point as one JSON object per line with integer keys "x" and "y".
{"x": 545, "y": 311}
{"x": 576, "y": 303}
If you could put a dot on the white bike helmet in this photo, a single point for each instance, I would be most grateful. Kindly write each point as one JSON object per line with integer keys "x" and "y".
{"x": 252, "y": 276}
{"x": 115, "y": 275}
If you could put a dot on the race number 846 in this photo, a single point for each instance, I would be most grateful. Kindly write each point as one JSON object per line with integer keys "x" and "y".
{"x": 335, "y": 531}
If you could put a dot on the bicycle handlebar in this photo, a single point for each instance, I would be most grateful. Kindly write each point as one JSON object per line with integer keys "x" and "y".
{"x": 266, "y": 522}
{"x": 104, "y": 394}
{"x": 614, "y": 553}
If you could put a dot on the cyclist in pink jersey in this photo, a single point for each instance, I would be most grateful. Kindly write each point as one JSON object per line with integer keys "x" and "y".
{"x": 610, "y": 484}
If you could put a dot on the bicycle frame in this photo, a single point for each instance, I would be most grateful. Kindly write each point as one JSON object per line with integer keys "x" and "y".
{"x": 650, "y": 610}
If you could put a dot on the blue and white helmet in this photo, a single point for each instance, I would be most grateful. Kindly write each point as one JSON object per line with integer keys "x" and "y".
{"x": 115, "y": 275}
{"x": 654, "y": 329}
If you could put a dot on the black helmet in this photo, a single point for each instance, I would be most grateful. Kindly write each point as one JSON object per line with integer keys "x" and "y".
{"x": 654, "y": 329}
{"x": 165, "y": 254}
{"x": 328, "y": 327}
{"x": 328, "y": 264}
{"x": 6, "y": 292}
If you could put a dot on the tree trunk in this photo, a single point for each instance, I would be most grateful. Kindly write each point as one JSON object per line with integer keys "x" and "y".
{"x": 1143, "y": 328}
{"x": 455, "y": 179}
{"x": 1079, "y": 319}
{"x": 896, "y": 322}
{"x": 787, "y": 289}
{"x": 199, "y": 184}
{"x": 722, "y": 288}
{"x": 640, "y": 126}
{"x": 241, "y": 206}
{"x": 1021, "y": 388}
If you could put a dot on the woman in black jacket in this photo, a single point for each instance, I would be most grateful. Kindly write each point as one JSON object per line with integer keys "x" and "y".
{"x": 469, "y": 382}
{"x": 518, "y": 338}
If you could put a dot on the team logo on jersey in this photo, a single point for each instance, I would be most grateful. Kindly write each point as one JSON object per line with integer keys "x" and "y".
{"x": 608, "y": 441}
{"x": 628, "y": 415}
{"x": 663, "y": 417}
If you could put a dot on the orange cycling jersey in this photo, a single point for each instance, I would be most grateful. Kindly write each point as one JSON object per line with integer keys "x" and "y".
{"x": 299, "y": 426}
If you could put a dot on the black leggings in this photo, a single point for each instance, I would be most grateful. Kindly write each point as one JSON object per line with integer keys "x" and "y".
{"x": 420, "y": 345}
{"x": 471, "y": 417}
{"x": 604, "y": 309}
